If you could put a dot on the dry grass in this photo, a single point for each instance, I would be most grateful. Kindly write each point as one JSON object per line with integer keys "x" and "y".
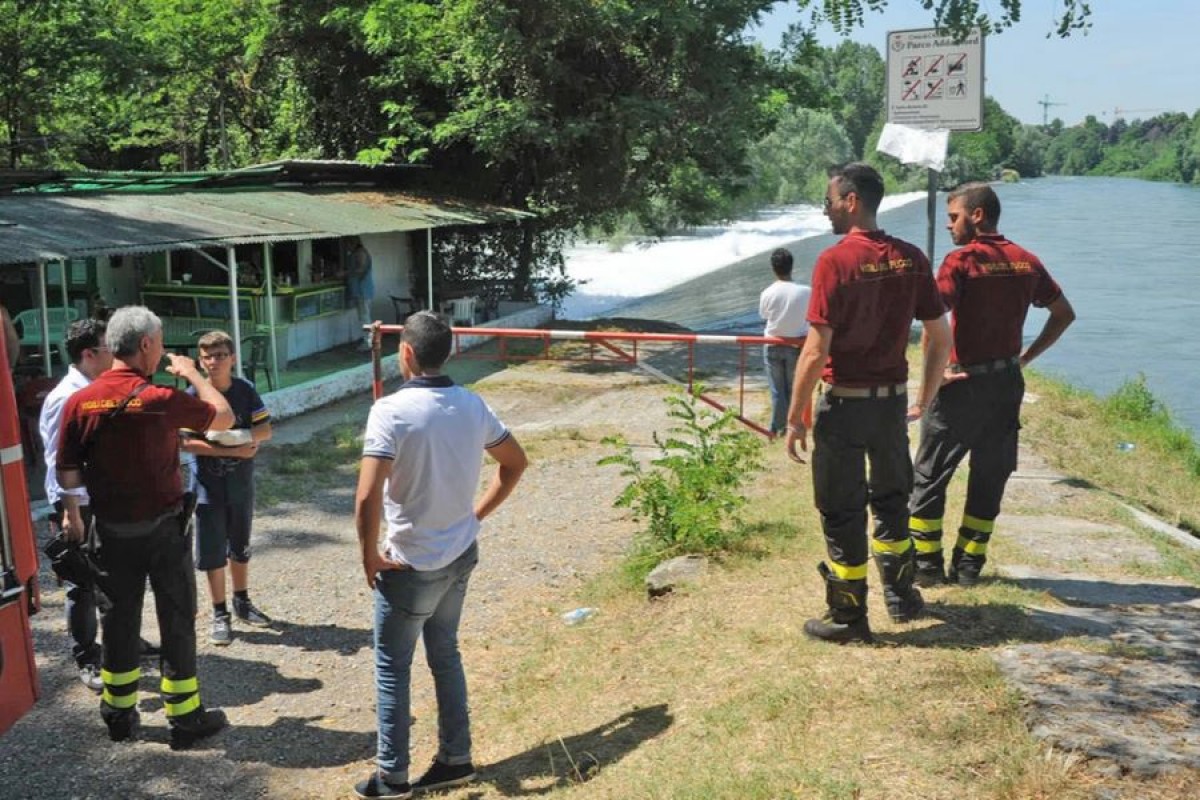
{"x": 715, "y": 692}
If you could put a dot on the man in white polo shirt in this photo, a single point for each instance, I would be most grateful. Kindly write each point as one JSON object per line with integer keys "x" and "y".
{"x": 784, "y": 305}
{"x": 420, "y": 468}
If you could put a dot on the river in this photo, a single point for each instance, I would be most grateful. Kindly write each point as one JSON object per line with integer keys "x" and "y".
{"x": 1117, "y": 246}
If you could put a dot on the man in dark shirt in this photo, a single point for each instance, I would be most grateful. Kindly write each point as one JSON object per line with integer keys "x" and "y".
{"x": 989, "y": 285}
{"x": 120, "y": 439}
{"x": 867, "y": 290}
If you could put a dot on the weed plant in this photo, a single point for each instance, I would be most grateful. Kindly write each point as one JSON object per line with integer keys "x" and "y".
{"x": 690, "y": 497}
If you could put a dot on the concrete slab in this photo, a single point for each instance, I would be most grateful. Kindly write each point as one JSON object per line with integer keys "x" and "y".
{"x": 1079, "y": 542}
{"x": 1081, "y": 589}
{"x": 1141, "y": 713}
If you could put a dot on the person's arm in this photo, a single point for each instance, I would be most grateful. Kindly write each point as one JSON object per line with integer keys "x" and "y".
{"x": 12, "y": 339}
{"x": 1061, "y": 317}
{"x": 261, "y": 432}
{"x": 808, "y": 371}
{"x": 511, "y": 457}
{"x": 184, "y": 367}
{"x": 936, "y": 344}
{"x": 368, "y": 513}
{"x": 72, "y": 522}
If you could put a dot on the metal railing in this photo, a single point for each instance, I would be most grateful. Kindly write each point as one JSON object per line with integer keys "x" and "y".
{"x": 610, "y": 347}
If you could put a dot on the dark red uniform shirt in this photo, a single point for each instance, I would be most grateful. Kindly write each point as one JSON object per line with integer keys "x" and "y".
{"x": 130, "y": 462}
{"x": 989, "y": 285}
{"x": 869, "y": 287}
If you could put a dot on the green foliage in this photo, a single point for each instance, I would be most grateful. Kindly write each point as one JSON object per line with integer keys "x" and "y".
{"x": 1134, "y": 402}
{"x": 957, "y": 15}
{"x": 1144, "y": 417}
{"x": 789, "y": 164}
{"x": 689, "y": 497}
{"x": 980, "y": 156}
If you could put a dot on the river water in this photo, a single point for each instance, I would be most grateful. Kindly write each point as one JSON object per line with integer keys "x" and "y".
{"x": 1118, "y": 247}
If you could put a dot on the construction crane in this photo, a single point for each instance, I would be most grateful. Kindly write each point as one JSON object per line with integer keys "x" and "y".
{"x": 1120, "y": 112}
{"x": 1045, "y": 103}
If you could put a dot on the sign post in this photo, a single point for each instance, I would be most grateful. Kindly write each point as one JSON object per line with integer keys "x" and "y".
{"x": 935, "y": 82}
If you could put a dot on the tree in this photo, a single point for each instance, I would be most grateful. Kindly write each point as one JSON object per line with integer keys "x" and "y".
{"x": 979, "y": 156}
{"x": 576, "y": 109}
{"x": 789, "y": 164}
{"x": 48, "y": 53}
{"x": 956, "y": 15}
{"x": 847, "y": 80}
{"x": 1076, "y": 150}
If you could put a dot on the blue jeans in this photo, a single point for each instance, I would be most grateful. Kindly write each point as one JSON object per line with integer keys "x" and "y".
{"x": 81, "y": 623}
{"x": 409, "y": 603}
{"x": 781, "y": 367}
{"x": 81, "y": 604}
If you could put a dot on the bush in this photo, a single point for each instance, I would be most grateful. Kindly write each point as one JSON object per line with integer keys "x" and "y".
{"x": 689, "y": 497}
{"x": 1134, "y": 402}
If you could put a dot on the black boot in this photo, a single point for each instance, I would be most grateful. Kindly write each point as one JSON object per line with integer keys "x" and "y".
{"x": 931, "y": 570}
{"x": 904, "y": 602}
{"x": 196, "y": 725}
{"x": 965, "y": 568}
{"x": 846, "y": 620}
{"x": 122, "y": 725}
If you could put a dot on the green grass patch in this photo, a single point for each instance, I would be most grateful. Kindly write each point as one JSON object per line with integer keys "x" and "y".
{"x": 1088, "y": 437}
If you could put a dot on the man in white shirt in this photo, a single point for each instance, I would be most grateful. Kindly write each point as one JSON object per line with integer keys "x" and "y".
{"x": 784, "y": 305}
{"x": 89, "y": 357}
{"x": 420, "y": 469}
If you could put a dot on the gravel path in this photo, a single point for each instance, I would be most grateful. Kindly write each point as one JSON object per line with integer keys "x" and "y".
{"x": 300, "y": 696}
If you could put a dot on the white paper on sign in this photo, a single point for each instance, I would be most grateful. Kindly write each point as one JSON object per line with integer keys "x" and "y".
{"x": 915, "y": 146}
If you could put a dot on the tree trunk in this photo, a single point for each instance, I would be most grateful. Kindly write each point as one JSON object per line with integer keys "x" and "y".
{"x": 523, "y": 276}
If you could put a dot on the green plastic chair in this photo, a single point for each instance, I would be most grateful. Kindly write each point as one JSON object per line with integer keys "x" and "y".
{"x": 29, "y": 325}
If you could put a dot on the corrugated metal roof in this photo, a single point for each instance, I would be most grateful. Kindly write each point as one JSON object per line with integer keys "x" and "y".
{"x": 55, "y": 226}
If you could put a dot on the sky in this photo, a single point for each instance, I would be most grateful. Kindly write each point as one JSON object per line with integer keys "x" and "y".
{"x": 1140, "y": 56}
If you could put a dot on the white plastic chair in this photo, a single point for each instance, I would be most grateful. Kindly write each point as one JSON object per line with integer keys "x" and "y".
{"x": 461, "y": 311}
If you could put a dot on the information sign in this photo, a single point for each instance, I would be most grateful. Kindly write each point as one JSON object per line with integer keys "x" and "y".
{"x": 934, "y": 81}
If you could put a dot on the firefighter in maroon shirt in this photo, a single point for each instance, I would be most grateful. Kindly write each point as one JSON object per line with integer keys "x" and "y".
{"x": 989, "y": 285}
{"x": 120, "y": 439}
{"x": 866, "y": 291}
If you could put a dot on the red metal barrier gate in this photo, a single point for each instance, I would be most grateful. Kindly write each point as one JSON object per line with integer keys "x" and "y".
{"x": 619, "y": 347}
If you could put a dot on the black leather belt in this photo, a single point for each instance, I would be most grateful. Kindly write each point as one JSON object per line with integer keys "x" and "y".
{"x": 984, "y": 367}
{"x": 886, "y": 390}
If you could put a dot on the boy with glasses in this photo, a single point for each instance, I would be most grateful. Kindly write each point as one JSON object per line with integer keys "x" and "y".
{"x": 225, "y": 490}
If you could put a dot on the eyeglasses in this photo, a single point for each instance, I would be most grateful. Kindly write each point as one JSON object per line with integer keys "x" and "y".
{"x": 829, "y": 200}
{"x": 214, "y": 356}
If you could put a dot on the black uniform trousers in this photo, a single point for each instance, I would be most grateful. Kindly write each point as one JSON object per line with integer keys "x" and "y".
{"x": 164, "y": 555}
{"x": 980, "y": 415}
{"x": 848, "y": 434}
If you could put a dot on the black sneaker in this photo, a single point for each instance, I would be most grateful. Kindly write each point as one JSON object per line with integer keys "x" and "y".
{"x": 149, "y": 650}
{"x": 248, "y": 613}
{"x": 123, "y": 725}
{"x": 826, "y": 630}
{"x": 89, "y": 675}
{"x": 196, "y": 725}
{"x": 444, "y": 776}
{"x": 222, "y": 630}
{"x": 377, "y": 787}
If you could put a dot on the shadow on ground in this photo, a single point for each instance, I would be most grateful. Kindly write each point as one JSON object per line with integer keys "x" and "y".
{"x": 310, "y": 638}
{"x": 575, "y": 759}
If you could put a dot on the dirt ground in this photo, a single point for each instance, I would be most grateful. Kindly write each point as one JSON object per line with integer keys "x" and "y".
{"x": 300, "y": 696}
